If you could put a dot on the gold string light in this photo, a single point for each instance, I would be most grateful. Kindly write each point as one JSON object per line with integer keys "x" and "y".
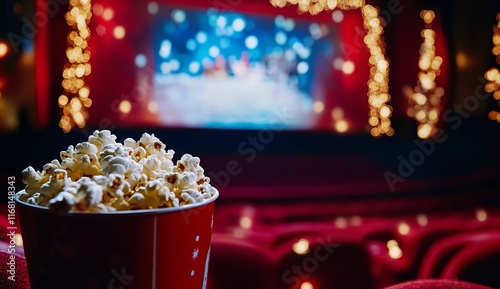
{"x": 4, "y": 50}
{"x": 378, "y": 84}
{"x": 75, "y": 100}
{"x": 316, "y": 6}
{"x": 425, "y": 98}
{"x": 493, "y": 75}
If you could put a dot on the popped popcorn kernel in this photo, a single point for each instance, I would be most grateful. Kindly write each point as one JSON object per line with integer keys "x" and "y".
{"x": 137, "y": 201}
{"x": 102, "y": 175}
{"x": 32, "y": 180}
{"x": 102, "y": 138}
{"x": 63, "y": 202}
{"x": 89, "y": 194}
{"x": 23, "y": 196}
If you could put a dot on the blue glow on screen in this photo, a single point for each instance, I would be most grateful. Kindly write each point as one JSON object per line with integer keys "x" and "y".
{"x": 236, "y": 70}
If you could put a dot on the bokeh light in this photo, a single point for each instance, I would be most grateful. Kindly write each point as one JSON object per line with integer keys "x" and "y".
{"x": 125, "y": 106}
{"x": 378, "y": 84}
{"x": 337, "y": 113}
{"x": 348, "y": 67}
{"x": 425, "y": 98}
{"x": 318, "y": 106}
{"x": 153, "y": 107}
{"x": 301, "y": 247}
{"x": 403, "y": 229}
{"x": 394, "y": 250}
{"x": 108, "y": 14}
{"x": 251, "y": 42}
{"x": 245, "y": 222}
{"x": 281, "y": 38}
{"x": 422, "y": 220}
{"x": 302, "y": 67}
{"x": 214, "y": 51}
{"x": 238, "y": 24}
{"x": 153, "y": 8}
{"x": 178, "y": 15}
{"x": 337, "y": 63}
{"x": 315, "y": 7}
{"x": 165, "y": 48}
{"x": 191, "y": 45}
{"x": 481, "y": 215}
{"x": 140, "y": 60}
{"x": 337, "y": 16}
{"x": 194, "y": 67}
{"x": 341, "y": 126}
{"x": 221, "y": 21}
{"x": 493, "y": 74}
{"x": 75, "y": 100}
{"x": 340, "y": 222}
{"x": 201, "y": 37}
{"x": 3, "y": 49}
{"x": 119, "y": 32}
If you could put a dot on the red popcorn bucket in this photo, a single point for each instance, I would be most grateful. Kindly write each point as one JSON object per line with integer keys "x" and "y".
{"x": 157, "y": 248}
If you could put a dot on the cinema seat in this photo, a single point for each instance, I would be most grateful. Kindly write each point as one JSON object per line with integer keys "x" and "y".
{"x": 443, "y": 250}
{"x": 412, "y": 247}
{"x": 235, "y": 263}
{"x": 420, "y": 239}
{"x": 477, "y": 262}
{"x": 437, "y": 284}
{"x": 324, "y": 264}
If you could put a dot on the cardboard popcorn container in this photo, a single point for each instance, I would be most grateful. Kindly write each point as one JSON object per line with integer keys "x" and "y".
{"x": 157, "y": 248}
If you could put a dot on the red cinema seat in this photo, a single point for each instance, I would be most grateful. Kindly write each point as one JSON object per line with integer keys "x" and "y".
{"x": 236, "y": 263}
{"x": 324, "y": 264}
{"x": 443, "y": 250}
{"x": 477, "y": 262}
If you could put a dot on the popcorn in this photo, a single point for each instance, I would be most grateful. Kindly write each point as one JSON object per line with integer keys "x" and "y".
{"x": 89, "y": 194}
{"x": 151, "y": 165}
{"x": 191, "y": 196}
{"x": 58, "y": 179}
{"x": 32, "y": 179}
{"x": 102, "y": 138}
{"x": 102, "y": 175}
{"x": 63, "y": 202}
{"x": 80, "y": 160}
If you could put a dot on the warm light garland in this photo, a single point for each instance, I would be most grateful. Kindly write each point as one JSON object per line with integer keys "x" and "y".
{"x": 378, "y": 84}
{"x": 75, "y": 99}
{"x": 316, "y": 6}
{"x": 425, "y": 98}
{"x": 4, "y": 49}
{"x": 493, "y": 75}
